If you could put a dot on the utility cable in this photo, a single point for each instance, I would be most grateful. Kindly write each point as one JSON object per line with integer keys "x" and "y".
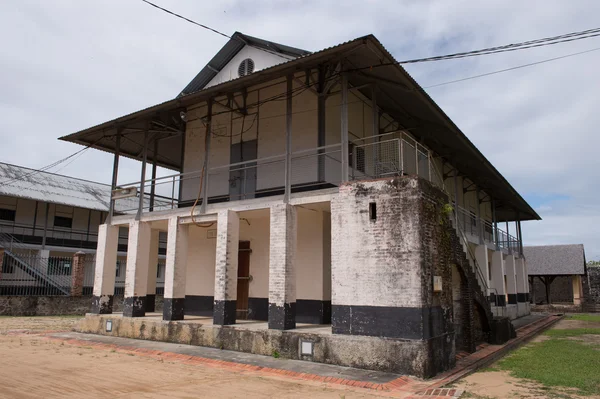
{"x": 213, "y": 30}
{"x": 512, "y": 68}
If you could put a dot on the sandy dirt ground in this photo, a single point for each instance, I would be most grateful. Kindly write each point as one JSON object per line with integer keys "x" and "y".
{"x": 499, "y": 384}
{"x": 36, "y": 367}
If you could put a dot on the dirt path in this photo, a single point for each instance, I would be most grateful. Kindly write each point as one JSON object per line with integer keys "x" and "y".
{"x": 34, "y": 367}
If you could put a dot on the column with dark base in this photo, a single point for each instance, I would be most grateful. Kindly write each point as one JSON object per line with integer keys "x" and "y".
{"x": 106, "y": 264}
{"x": 511, "y": 279}
{"x": 226, "y": 267}
{"x": 282, "y": 273}
{"x": 136, "y": 277}
{"x": 175, "y": 270}
{"x": 152, "y": 272}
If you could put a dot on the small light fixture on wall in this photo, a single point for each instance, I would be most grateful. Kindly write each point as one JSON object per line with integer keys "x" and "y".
{"x": 306, "y": 348}
{"x": 108, "y": 325}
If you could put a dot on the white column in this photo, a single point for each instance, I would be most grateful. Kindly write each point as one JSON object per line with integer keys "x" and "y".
{"x": 106, "y": 265}
{"x": 498, "y": 278}
{"x": 226, "y": 267}
{"x": 521, "y": 280}
{"x": 511, "y": 280}
{"x": 175, "y": 270}
{"x": 152, "y": 269}
{"x": 282, "y": 273}
{"x": 481, "y": 255}
{"x": 136, "y": 274}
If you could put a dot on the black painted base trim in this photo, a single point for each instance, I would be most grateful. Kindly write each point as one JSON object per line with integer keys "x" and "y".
{"x": 173, "y": 309}
{"x": 258, "y": 309}
{"x": 150, "y": 303}
{"x": 199, "y": 305}
{"x": 512, "y": 299}
{"x": 224, "y": 312}
{"x": 390, "y": 322}
{"x": 521, "y": 297}
{"x": 313, "y": 311}
{"x": 282, "y": 317}
{"x": 102, "y": 304}
{"x": 134, "y": 306}
{"x": 497, "y": 300}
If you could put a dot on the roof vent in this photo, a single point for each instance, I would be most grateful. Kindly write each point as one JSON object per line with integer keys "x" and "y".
{"x": 246, "y": 67}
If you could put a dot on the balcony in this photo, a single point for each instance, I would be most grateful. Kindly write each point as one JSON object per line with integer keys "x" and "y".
{"x": 58, "y": 237}
{"x": 479, "y": 230}
{"x": 385, "y": 155}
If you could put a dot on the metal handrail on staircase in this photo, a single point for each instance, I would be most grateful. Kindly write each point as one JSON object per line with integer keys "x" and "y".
{"x": 33, "y": 266}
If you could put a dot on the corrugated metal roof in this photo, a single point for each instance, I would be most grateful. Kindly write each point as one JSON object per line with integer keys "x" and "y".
{"x": 405, "y": 100}
{"x": 21, "y": 182}
{"x": 229, "y": 50}
{"x": 555, "y": 259}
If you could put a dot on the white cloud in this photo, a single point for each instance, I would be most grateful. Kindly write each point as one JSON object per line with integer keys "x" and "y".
{"x": 70, "y": 65}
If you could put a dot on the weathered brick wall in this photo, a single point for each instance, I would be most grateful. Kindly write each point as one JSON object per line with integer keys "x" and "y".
{"x": 390, "y": 237}
{"x": 55, "y": 305}
{"x": 561, "y": 290}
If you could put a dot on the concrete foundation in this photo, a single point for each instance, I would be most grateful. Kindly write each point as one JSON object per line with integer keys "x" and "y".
{"x": 412, "y": 357}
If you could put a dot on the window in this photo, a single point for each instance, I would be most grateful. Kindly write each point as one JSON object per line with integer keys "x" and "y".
{"x": 7, "y": 214}
{"x": 59, "y": 266}
{"x": 118, "y": 269}
{"x": 360, "y": 157}
{"x": 246, "y": 67}
{"x": 61, "y": 221}
{"x": 159, "y": 270}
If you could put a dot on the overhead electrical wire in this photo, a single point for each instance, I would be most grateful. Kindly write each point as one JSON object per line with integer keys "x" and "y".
{"x": 512, "y": 68}
{"x": 212, "y": 29}
{"x": 546, "y": 41}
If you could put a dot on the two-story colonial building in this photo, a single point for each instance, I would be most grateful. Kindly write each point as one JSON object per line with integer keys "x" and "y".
{"x": 321, "y": 188}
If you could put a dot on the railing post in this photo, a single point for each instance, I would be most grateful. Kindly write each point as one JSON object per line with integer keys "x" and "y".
{"x": 402, "y": 154}
{"x": 173, "y": 194}
{"x": 429, "y": 163}
{"x": 354, "y": 162}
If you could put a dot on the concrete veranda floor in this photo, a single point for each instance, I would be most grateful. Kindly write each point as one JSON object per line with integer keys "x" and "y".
{"x": 255, "y": 325}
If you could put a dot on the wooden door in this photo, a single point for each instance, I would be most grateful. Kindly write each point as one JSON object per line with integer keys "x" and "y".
{"x": 244, "y": 279}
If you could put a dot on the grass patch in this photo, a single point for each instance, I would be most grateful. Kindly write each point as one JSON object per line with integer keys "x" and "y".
{"x": 585, "y": 317}
{"x": 572, "y": 332}
{"x": 557, "y": 363}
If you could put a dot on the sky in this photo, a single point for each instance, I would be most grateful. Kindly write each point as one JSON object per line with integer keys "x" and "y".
{"x": 66, "y": 65}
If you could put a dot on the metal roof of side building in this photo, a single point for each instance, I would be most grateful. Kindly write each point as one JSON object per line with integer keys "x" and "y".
{"x": 555, "y": 259}
{"x": 21, "y": 182}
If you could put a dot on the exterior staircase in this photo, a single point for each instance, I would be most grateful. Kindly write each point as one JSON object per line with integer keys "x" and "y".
{"x": 474, "y": 289}
{"x": 35, "y": 267}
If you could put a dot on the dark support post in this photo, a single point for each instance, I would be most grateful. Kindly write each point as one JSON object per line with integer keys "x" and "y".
{"x": 520, "y": 236}
{"x": 288, "y": 141}
{"x": 87, "y": 234}
{"x": 206, "y": 165}
{"x": 344, "y": 126}
{"x": 479, "y": 226}
{"x": 153, "y": 184}
{"x": 495, "y": 221}
{"x": 375, "y": 117}
{"x": 143, "y": 176}
{"x": 456, "y": 197}
{"x": 508, "y": 239}
{"x": 45, "y": 225}
{"x": 114, "y": 177}
{"x": 35, "y": 217}
{"x": 321, "y": 102}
